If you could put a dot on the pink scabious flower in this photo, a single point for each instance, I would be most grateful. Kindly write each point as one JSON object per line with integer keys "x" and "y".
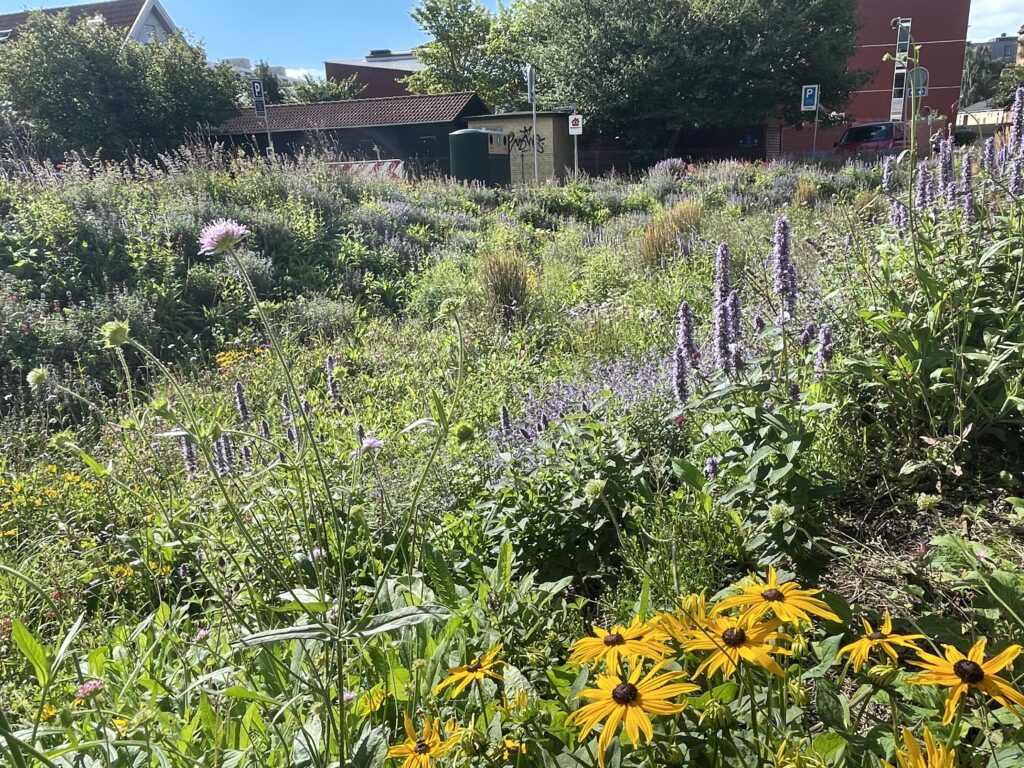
{"x": 90, "y": 689}
{"x": 368, "y": 443}
{"x": 201, "y": 636}
{"x": 221, "y": 236}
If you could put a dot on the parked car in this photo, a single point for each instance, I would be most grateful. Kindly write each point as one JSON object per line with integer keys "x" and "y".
{"x": 876, "y": 138}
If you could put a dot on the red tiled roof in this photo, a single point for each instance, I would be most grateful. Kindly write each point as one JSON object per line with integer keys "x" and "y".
{"x": 119, "y": 14}
{"x": 356, "y": 113}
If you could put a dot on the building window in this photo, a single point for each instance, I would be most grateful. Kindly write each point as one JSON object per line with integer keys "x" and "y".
{"x": 1008, "y": 52}
{"x": 903, "y": 41}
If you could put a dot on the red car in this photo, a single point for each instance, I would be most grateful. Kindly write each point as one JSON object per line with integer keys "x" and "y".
{"x": 876, "y": 138}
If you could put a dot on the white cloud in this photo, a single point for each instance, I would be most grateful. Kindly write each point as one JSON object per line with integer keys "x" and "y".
{"x": 298, "y": 74}
{"x": 991, "y": 18}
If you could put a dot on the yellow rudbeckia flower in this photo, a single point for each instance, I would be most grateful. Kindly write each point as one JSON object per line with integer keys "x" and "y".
{"x": 961, "y": 673}
{"x": 638, "y": 640}
{"x": 629, "y": 702}
{"x": 419, "y": 751}
{"x": 934, "y": 755}
{"x": 882, "y": 639}
{"x": 477, "y": 669}
{"x": 732, "y": 640}
{"x": 787, "y": 601}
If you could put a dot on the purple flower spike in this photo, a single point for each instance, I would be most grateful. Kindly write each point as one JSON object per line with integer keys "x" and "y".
{"x": 889, "y": 175}
{"x": 783, "y": 269}
{"x": 242, "y": 404}
{"x": 721, "y": 332}
{"x": 711, "y": 467}
{"x": 684, "y": 337}
{"x": 826, "y": 350}
{"x": 680, "y": 386}
{"x": 221, "y": 236}
{"x": 967, "y": 190}
{"x": 988, "y": 157}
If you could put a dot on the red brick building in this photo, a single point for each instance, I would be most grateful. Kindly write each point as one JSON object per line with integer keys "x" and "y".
{"x": 380, "y": 72}
{"x": 894, "y": 27}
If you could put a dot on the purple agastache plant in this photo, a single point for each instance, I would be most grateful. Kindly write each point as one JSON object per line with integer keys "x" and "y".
{"x": 221, "y": 236}
{"x": 1016, "y": 183}
{"x": 899, "y": 216}
{"x": 1017, "y": 123}
{"x": 988, "y": 156}
{"x": 735, "y": 318}
{"x": 946, "y": 173}
{"x": 332, "y": 383}
{"x": 784, "y": 270}
{"x": 242, "y": 405}
{"x": 721, "y": 336}
{"x": 889, "y": 175}
{"x": 680, "y": 385}
{"x": 924, "y": 196}
{"x": 808, "y": 334}
{"x": 684, "y": 334}
{"x": 967, "y": 190}
{"x": 826, "y": 350}
{"x": 505, "y": 421}
{"x": 188, "y": 454}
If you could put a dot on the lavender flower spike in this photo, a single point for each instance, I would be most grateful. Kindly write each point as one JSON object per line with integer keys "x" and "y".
{"x": 826, "y": 350}
{"x": 721, "y": 332}
{"x": 735, "y": 318}
{"x": 783, "y": 269}
{"x": 680, "y": 386}
{"x": 1017, "y": 121}
{"x": 221, "y": 236}
{"x": 684, "y": 337}
{"x": 988, "y": 157}
{"x": 889, "y": 175}
{"x": 242, "y": 405}
{"x": 967, "y": 190}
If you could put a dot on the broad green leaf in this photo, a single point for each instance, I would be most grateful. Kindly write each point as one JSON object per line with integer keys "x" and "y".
{"x": 32, "y": 650}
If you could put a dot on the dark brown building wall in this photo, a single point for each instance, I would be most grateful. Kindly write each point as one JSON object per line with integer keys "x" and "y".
{"x": 938, "y": 26}
{"x": 379, "y": 82}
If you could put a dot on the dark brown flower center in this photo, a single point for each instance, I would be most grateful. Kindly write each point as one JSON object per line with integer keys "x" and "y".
{"x": 422, "y": 748}
{"x": 969, "y": 671}
{"x": 773, "y": 595}
{"x": 476, "y": 666}
{"x": 625, "y": 693}
{"x": 877, "y": 636}
{"x": 614, "y": 639}
{"x": 734, "y": 637}
{"x": 512, "y": 749}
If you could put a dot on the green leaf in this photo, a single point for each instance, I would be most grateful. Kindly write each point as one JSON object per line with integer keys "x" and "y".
{"x": 32, "y": 650}
{"x": 370, "y": 748}
{"x": 505, "y": 563}
{"x": 832, "y": 708}
{"x": 827, "y": 652}
{"x": 828, "y": 745}
{"x": 401, "y": 618}
{"x": 441, "y": 580}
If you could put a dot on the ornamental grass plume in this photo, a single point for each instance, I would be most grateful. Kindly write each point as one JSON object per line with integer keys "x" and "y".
{"x": 630, "y": 703}
{"x": 962, "y": 673}
{"x": 221, "y": 235}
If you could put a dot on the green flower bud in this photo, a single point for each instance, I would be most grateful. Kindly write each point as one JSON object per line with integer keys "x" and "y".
{"x": 716, "y": 716}
{"x": 798, "y": 694}
{"x": 36, "y": 379}
{"x": 799, "y": 647}
{"x": 114, "y": 334}
{"x": 594, "y": 489}
{"x": 882, "y": 675}
{"x": 464, "y": 433}
{"x": 473, "y": 743}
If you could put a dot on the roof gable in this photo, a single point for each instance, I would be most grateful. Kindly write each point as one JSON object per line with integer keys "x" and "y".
{"x": 118, "y": 14}
{"x": 355, "y": 113}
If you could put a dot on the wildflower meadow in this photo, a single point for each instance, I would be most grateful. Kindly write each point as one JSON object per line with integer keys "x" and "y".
{"x": 715, "y": 466}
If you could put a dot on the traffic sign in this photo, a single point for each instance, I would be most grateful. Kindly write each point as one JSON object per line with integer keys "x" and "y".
{"x": 259, "y": 100}
{"x": 917, "y": 82}
{"x": 531, "y": 84}
{"x": 809, "y": 98}
{"x": 575, "y": 125}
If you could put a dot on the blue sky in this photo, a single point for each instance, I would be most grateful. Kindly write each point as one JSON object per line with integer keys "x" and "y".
{"x": 302, "y": 34}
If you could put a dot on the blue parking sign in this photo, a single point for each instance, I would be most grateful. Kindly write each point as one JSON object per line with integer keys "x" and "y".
{"x": 809, "y": 98}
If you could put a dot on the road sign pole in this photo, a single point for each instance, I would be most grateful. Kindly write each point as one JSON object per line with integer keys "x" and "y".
{"x": 814, "y": 146}
{"x": 575, "y": 156}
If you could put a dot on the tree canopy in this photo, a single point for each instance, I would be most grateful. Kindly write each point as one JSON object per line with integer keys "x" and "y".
{"x": 84, "y": 87}
{"x": 310, "y": 89}
{"x": 1012, "y": 79}
{"x": 472, "y": 49}
{"x": 643, "y": 66}
{"x": 981, "y": 75}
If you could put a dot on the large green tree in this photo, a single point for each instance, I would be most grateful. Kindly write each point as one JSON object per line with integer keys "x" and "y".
{"x": 1011, "y": 79}
{"x": 310, "y": 89}
{"x": 981, "y": 75}
{"x": 472, "y": 49}
{"x": 83, "y": 87}
{"x": 637, "y": 66}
